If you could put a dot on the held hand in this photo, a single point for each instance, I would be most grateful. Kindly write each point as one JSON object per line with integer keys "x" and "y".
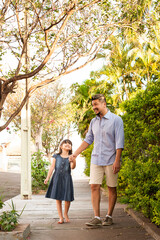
{"x": 72, "y": 158}
{"x": 116, "y": 167}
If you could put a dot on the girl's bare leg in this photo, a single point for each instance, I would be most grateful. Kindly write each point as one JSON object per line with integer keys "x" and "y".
{"x": 66, "y": 209}
{"x": 59, "y": 209}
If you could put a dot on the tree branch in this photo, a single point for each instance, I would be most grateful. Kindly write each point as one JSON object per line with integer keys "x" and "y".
{"x": 31, "y": 74}
{"x": 18, "y": 22}
{"x": 88, "y": 4}
{"x": 4, "y": 9}
{"x": 15, "y": 113}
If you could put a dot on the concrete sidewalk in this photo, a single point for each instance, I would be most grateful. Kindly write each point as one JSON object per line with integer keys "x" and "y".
{"x": 9, "y": 185}
{"x": 41, "y": 214}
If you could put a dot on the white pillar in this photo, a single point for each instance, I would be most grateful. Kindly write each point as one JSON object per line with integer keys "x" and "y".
{"x": 26, "y": 189}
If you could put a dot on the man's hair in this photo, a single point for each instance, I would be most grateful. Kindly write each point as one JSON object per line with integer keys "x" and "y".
{"x": 100, "y": 97}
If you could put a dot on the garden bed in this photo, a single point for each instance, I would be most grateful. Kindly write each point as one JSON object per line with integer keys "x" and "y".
{"x": 21, "y": 232}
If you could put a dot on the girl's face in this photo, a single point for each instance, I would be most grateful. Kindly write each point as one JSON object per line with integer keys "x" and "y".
{"x": 66, "y": 146}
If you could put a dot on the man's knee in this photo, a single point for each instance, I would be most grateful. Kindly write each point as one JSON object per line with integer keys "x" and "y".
{"x": 95, "y": 187}
{"x": 112, "y": 190}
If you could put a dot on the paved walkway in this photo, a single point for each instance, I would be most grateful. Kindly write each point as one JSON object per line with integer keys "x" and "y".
{"x": 42, "y": 215}
{"x": 9, "y": 185}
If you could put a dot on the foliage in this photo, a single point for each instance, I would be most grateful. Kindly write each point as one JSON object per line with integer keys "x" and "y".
{"x": 87, "y": 155}
{"x": 50, "y": 116}
{"x": 139, "y": 178}
{"x": 39, "y": 171}
{"x": 132, "y": 61}
{"x": 139, "y": 182}
{"x": 1, "y": 201}
{"x": 120, "y": 69}
{"x": 58, "y": 34}
{"x": 82, "y": 101}
{"x": 9, "y": 219}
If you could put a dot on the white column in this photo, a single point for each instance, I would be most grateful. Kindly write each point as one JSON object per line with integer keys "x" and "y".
{"x": 26, "y": 189}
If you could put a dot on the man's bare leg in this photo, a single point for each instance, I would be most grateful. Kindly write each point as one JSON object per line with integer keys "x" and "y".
{"x": 112, "y": 196}
{"x": 95, "y": 197}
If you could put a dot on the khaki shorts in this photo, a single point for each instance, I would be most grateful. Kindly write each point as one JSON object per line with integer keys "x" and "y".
{"x": 97, "y": 173}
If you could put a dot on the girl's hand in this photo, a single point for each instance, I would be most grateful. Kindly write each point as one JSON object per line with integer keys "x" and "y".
{"x": 45, "y": 181}
{"x": 72, "y": 163}
{"x": 72, "y": 158}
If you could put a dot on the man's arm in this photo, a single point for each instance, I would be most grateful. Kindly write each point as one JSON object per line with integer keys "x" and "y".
{"x": 81, "y": 148}
{"x": 119, "y": 143}
{"x": 87, "y": 141}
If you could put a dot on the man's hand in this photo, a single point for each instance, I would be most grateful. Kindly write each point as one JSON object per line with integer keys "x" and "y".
{"x": 116, "y": 167}
{"x": 117, "y": 164}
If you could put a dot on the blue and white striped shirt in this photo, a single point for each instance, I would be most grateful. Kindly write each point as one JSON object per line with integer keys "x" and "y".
{"x": 108, "y": 135}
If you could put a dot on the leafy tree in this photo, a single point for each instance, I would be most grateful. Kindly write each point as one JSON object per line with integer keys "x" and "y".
{"x": 132, "y": 62}
{"x": 58, "y": 127}
{"x": 50, "y": 118}
{"x": 82, "y": 101}
{"x": 119, "y": 70}
{"x": 58, "y": 34}
{"x": 39, "y": 171}
{"x": 47, "y": 111}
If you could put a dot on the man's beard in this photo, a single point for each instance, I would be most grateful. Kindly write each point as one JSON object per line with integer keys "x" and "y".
{"x": 98, "y": 114}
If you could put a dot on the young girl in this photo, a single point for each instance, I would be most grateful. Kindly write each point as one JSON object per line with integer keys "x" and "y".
{"x": 61, "y": 185}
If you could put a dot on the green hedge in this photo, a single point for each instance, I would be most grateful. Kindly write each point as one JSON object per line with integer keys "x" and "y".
{"x": 39, "y": 171}
{"x": 87, "y": 155}
{"x": 139, "y": 178}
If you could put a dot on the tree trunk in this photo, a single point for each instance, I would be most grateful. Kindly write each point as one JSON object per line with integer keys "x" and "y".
{"x": 38, "y": 139}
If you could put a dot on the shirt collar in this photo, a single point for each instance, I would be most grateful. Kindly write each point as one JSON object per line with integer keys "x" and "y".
{"x": 107, "y": 115}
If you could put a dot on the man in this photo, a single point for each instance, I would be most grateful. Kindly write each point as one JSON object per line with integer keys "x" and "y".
{"x": 107, "y": 133}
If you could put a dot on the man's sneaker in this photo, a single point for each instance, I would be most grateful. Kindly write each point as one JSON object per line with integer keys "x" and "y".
{"x": 107, "y": 222}
{"x": 94, "y": 222}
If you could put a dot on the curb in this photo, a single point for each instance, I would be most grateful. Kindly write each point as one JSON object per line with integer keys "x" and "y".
{"x": 150, "y": 227}
{"x": 21, "y": 232}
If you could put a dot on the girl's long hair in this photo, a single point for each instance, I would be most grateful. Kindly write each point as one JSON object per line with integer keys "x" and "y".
{"x": 65, "y": 141}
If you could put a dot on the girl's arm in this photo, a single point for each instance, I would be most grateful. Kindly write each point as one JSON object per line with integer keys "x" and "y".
{"x": 50, "y": 171}
{"x": 72, "y": 163}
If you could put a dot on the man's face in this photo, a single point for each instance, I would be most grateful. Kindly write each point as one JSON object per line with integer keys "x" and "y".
{"x": 98, "y": 106}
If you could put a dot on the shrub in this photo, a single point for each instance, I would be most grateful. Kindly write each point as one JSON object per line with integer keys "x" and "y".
{"x": 39, "y": 171}
{"x": 139, "y": 178}
{"x": 9, "y": 219}
{"x": 87, "y": 155}
{"x": 1, "y": 201}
